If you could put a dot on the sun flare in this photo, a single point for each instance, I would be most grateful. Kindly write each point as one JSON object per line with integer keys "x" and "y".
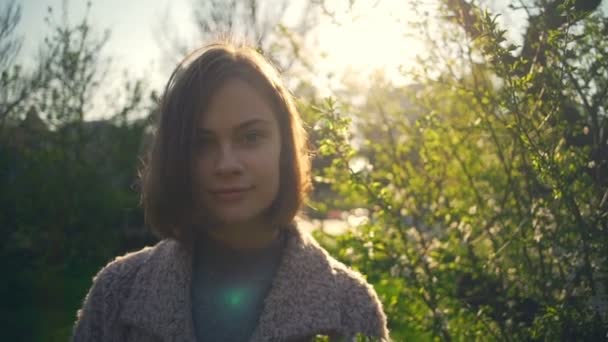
{"x": 370, "y": 36}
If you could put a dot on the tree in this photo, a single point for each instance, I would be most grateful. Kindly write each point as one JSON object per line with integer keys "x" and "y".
{"x": 279, "y": 35}
{"x": 66, "y": 181}
{"x": 486, "y": 186}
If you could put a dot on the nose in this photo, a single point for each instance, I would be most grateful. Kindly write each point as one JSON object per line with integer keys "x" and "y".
{"x": 228, "y": 162}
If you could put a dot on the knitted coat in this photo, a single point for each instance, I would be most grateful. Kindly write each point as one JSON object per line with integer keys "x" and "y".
{"x": 145, "y": 296}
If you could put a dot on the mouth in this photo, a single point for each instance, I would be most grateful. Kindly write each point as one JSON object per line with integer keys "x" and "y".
{"x": 230, "y": 194}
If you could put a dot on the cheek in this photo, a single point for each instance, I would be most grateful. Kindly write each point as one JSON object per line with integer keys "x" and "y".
{"x": 202, "y": 171}
{"x": 267, "y": 169}
{"x": 275, "y": 175}
{"x": 203, "y": 165}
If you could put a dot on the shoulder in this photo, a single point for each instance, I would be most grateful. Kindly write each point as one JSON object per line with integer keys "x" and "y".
{"x": 113, "y": 282}
{"x": 124, "y": 267}
{"x": 361, "y": 308}
{"x": 111, "y": 285}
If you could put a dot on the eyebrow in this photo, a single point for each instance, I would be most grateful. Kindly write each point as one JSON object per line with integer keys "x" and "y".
{"x": 239, "y": 127}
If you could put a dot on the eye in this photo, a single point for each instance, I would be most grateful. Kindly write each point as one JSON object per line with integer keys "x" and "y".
{"x": 252, "y": 137}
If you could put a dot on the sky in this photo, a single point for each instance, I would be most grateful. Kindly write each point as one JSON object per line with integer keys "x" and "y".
{"x": 134, "y": 24}
{"x": 369, "y": 37}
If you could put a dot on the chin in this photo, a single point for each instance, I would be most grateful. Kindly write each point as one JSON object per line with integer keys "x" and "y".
{"x": 235, "y": 217}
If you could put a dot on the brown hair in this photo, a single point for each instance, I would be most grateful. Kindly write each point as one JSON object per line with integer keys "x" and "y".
{"x": 168, "y": 194}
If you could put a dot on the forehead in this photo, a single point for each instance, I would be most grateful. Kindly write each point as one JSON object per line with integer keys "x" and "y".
{"x": 234, "y": 103}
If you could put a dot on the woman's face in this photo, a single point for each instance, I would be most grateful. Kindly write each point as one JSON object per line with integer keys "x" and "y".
{"x": 238, "y": 147}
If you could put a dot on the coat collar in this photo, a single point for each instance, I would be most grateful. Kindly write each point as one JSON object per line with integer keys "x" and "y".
{"x": 302, "y": 299}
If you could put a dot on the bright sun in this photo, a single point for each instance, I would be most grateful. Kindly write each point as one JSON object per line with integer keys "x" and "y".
{"x": 369, "y": 37}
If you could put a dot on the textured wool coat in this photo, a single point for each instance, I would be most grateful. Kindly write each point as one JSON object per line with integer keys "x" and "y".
{"x": 145, "y": 296}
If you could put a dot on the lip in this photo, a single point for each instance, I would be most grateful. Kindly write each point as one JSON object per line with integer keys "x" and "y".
{"x": 229, "y": 194}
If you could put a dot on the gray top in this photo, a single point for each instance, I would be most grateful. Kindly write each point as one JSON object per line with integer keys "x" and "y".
{"x": 229, "y": 287}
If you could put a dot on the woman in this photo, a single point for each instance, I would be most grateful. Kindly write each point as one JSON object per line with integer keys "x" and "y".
{"x": 227, "y": 174}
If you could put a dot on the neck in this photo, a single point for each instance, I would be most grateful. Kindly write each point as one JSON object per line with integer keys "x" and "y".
{"x": 244, "y": 236}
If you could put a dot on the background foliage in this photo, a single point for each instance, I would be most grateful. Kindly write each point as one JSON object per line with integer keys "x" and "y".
{"x": 487, "y": 199}
{"x": 477, "y": 195}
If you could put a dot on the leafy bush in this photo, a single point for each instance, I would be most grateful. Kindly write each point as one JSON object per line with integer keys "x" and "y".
{"x": 486, "y": 182}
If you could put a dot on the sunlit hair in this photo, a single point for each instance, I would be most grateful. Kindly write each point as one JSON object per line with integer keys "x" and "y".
{"x": 169, "y": 195}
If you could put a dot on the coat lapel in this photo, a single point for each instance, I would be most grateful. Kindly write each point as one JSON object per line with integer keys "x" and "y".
{"x": 302, "y": 300}
{"x": 303, "y": 297}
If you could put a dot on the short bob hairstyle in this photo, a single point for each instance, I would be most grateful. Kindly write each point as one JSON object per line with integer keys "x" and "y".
{"x": 169, "y": 196}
